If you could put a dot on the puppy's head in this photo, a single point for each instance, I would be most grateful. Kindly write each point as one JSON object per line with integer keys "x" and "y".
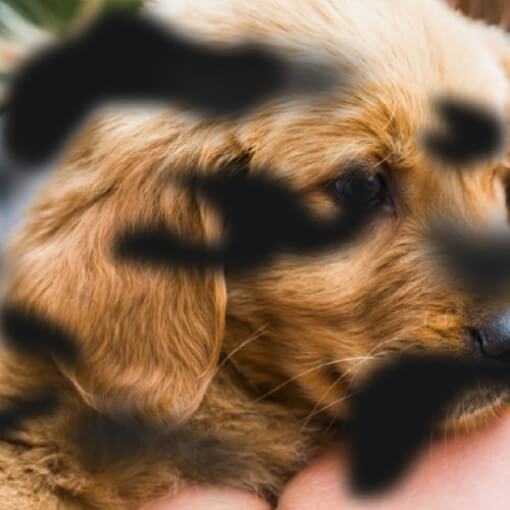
{"x": 304, "y": 329}
{"x": 301, "y": 329}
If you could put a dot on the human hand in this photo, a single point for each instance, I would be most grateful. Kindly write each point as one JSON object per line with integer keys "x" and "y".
{"x": 470, "y": 472}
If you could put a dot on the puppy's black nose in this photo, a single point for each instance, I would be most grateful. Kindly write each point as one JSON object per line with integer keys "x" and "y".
{"x": 494, "y": 337}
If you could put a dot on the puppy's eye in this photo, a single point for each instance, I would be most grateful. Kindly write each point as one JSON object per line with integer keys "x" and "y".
{"x": 361, "y": 187}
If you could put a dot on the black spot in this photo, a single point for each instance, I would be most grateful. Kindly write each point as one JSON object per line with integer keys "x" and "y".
{"x": 394, "y": 413}
{"x": 471, "y": 133}
{"x": 31, "y": 334}
{"x": 478, "y": 264}
{"x": 19, "y": 410}
{"x": 106, "y": 442}
{"x": 263, "y": 218}
{"x": 125, "y": 57}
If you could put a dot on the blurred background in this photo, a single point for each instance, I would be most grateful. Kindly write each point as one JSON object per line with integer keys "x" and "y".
{"x": 493, "y": 11}
{"x": 25, "y": 24}
{"x": 60, "y": 16}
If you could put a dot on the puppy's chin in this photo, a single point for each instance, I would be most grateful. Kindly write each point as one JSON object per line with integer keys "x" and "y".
{"x": 474, "y": 410}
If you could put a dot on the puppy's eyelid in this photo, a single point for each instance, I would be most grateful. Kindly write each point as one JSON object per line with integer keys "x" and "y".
{"x": 358, "y": 167}
{"x": 350, "y": 169}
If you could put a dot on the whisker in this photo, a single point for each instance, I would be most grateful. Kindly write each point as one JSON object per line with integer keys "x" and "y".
{"x": 381, "y": 344}
{"x": 362, "y": 359}
{"x": 254, "y": 336}
{"x": 334, "y": 403}
{"x": 369, "y": 356}
{"x": 316, "y": 410}
{"x": 308, "y": 371}
{"x": 330, "y": 424}
{"x": 337, "y": 381}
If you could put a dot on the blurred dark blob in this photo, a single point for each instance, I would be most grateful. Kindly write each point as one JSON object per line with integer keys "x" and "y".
{"x": 395, "y": 412}
{"x": 470, "y": 133}
{"x": 5, "y": 187}
{"x": 262, "y": 218}
{"x": 29, "y": 333}
{"x": 478, "y": 263}
{"x": 125, "y": 57}
{"x": 19, "y": 410}
{"x": 201, "y": 456}
{"x": 104, "y": 439}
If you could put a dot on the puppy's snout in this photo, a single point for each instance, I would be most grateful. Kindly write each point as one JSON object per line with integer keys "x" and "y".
{"x": 493, "y": 337}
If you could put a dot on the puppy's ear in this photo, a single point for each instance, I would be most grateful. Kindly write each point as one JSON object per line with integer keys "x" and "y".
{"x": 149, "y": 339}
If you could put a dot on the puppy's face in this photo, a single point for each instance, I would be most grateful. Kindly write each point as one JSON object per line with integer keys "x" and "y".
{"x": 301, "y": 329}
{"x": 306, "y": 329}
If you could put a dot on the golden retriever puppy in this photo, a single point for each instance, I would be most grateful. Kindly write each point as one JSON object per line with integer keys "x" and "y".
{"x": 246, "y": 373}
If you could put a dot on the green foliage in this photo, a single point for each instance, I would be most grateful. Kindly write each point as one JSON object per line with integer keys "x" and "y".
{"x": 60, "y": 15}
{"x": 56, "y": 16}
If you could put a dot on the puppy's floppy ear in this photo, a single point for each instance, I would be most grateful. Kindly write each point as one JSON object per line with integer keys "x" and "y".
{"x": 149, "y": 339}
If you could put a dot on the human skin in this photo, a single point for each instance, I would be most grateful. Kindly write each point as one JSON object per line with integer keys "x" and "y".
{"x": 210, "y": 498}
{"x": 467, "y": 472}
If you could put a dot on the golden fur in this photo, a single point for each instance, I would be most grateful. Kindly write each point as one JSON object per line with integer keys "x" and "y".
{"x": 263, "y": 362}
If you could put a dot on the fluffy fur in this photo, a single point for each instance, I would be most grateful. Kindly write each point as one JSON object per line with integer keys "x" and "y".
{"x": 255, "y": 368}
